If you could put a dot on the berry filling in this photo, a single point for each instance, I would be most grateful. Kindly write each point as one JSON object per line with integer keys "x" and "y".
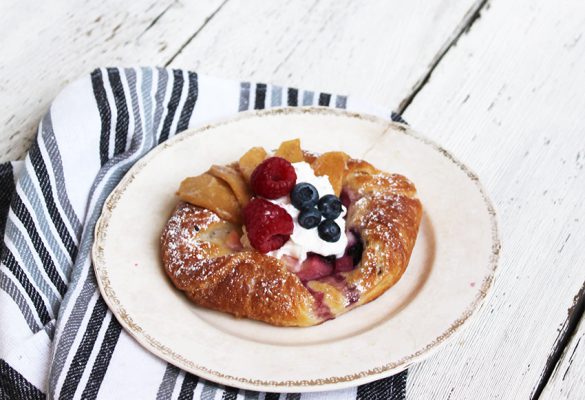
{"x": 321, "y": 309}
{"x": 348, "y": 197}
{"x": 317, "y": 267}
{"x": 344, "y": 264}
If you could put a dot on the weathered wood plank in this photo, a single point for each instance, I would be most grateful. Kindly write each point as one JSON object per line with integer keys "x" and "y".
{"x": 508, "y": 100}
{"x": 379, "y": 50}
{"x": 568, "y": 378}
{"x": 51, "y": 43}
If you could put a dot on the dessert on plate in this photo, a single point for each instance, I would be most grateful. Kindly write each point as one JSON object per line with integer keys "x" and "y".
{"x": 290, "y": 238}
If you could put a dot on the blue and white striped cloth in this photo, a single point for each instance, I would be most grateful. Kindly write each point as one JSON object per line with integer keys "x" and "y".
{"x": 57, "y": 337}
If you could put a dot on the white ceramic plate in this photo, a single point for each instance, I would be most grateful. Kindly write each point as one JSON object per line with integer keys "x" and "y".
{"x": 450, "y": 271}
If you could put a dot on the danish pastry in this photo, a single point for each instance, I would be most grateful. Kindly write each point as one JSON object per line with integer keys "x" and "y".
{"x": 292, "y": 238}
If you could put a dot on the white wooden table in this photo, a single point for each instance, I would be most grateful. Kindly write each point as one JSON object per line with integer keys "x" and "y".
{"x": 499, "y": 83}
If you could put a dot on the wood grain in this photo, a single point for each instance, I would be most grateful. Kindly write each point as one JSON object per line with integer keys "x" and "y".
{"x": 508, "y": 101}
{"x": 507, "y": 98}
{"x": 379, "y": 50}
{"x": 45, "y": 45}
{"x": 568, "y": 378}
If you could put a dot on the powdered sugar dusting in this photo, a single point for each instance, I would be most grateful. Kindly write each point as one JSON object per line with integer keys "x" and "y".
{"x": 244, "y": 283}
{"x": 381, "y": 209}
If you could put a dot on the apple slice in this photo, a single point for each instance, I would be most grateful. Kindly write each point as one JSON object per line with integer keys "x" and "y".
{"x": 212, "y": 193}
{"x": 249, "y": 161}
{"x": 291, "y": 151}
{"x": 235, "y": 180}
{"x": 332, "y": 164}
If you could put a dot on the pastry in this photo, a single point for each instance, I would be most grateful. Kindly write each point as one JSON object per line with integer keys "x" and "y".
{"x": 290, "y": 238}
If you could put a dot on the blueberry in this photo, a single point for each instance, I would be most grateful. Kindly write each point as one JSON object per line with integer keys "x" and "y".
{"x": 309, "y": 218}
{"x": 304, "y": 195}
{"x": 329, "y": 231}
{"x": 330, "y": 206}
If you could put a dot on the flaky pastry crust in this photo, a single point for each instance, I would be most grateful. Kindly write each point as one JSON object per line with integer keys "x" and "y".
{"x": 383, "y": 211}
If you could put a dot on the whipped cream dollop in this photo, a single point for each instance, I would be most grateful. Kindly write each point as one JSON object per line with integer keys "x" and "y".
{"x": 303, "y": 241}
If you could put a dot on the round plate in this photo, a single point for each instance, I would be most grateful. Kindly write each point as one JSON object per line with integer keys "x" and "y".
{"x": 450, "y": 271}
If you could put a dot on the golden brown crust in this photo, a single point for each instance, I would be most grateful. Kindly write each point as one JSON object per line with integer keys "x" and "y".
{"x": 388, "y": 225}
{"x": 384, "y": 212}
{"x": 244, "y": 283}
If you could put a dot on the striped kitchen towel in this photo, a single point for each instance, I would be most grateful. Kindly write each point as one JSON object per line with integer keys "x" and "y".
{"x": 57, "y": 338}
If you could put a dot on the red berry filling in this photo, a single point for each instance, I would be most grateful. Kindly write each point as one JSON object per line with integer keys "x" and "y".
{"x": 269, "y": 226}
{"x": 273, "y": 178}
{"x": 348, "y": 197}
{"x": 315, "y": 267}
{"x": 344, "y": 264}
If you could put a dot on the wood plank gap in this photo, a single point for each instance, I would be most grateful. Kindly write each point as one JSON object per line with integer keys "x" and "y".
{"x": 468, "y": 20}
{"x": 209, "y": 18}
{"x": 569, "y": 328}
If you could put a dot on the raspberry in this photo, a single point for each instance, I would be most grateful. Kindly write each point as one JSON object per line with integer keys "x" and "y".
{"x": 269, "y": 226}
{"x": 273, "y": 178}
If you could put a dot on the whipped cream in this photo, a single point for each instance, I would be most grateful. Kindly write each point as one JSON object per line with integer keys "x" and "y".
{"x": 303, "y": 241}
